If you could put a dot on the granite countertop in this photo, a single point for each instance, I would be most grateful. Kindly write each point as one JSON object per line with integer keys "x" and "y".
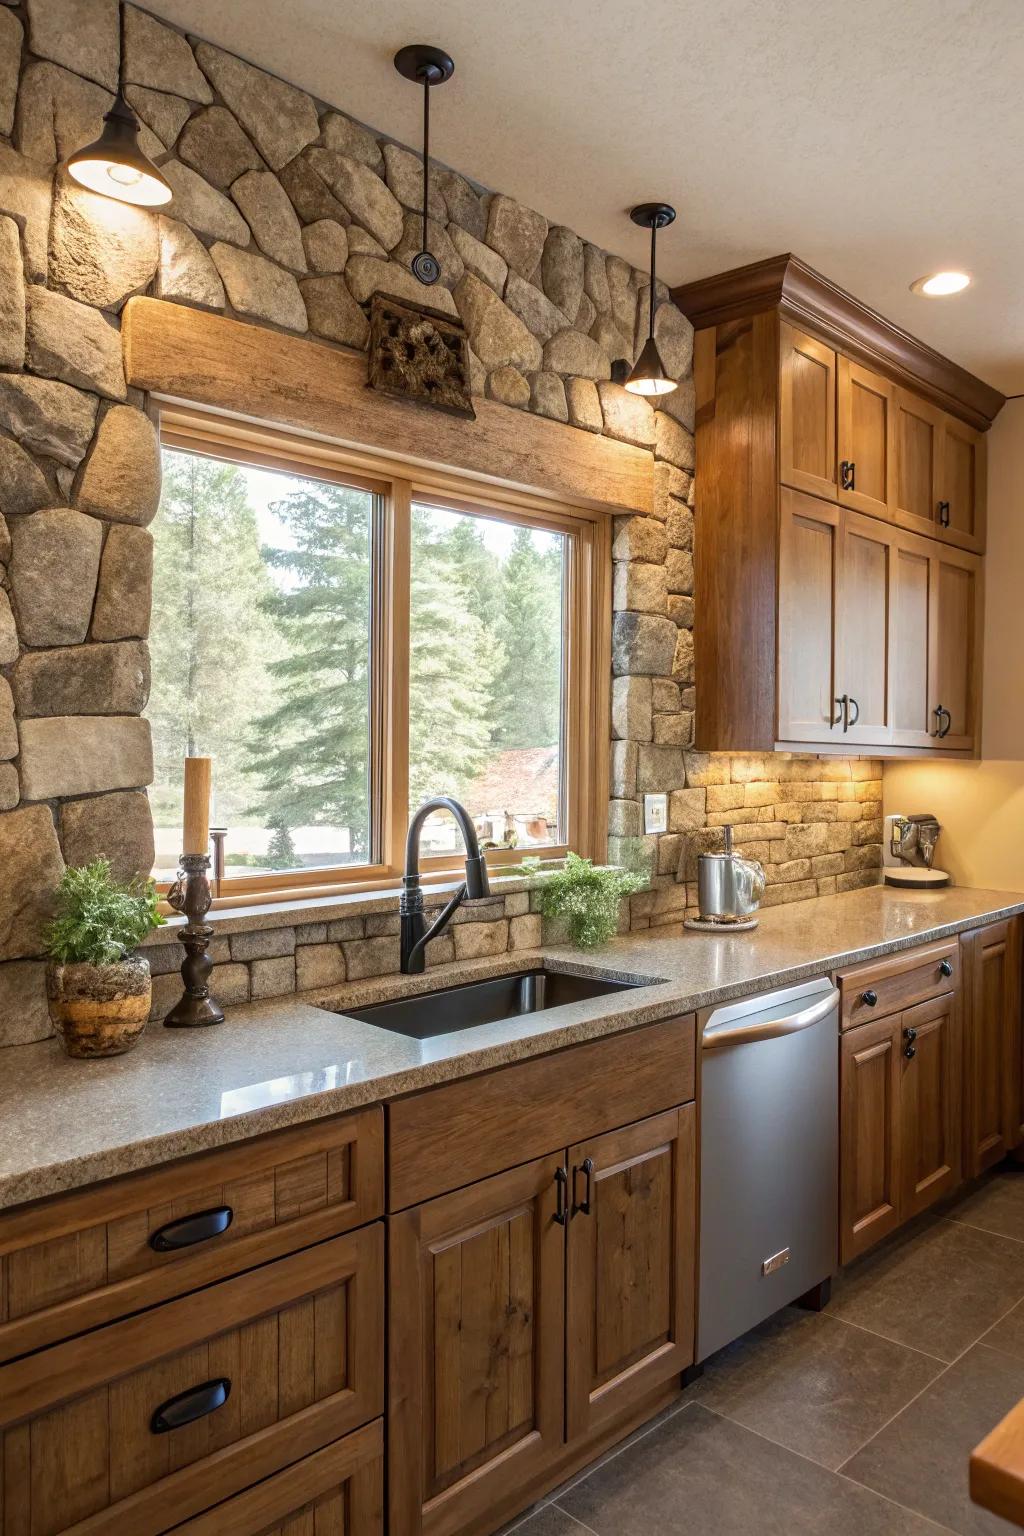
{"x": 69, "y": 1123}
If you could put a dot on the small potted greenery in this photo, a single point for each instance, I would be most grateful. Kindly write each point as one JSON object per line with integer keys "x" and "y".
{"x": 99, "y": 992}
{"x": 584, "y": 897}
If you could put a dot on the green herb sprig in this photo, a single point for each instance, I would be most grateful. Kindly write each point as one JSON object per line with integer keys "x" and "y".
{"x": 585, "y": 897}
{"x": 98, "y": 921}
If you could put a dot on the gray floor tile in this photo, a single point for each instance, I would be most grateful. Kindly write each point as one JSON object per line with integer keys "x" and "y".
{"x": 997, "y": 1206}
{"x": 548, "y": 1520}
{"x": 1008, "y": 1333}
{"x": 703, "y": 1474}
{"x": 938, "y": 1291}
{"x": 813, "y": 1383}
{"x": 921, "y": 1458}
{"x": 618, "y": 1448}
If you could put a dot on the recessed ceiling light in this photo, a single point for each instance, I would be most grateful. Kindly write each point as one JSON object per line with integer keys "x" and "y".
{"x": 941, "y": 283}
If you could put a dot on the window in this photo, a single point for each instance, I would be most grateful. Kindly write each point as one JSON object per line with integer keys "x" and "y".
{"x": 345, "y": 644}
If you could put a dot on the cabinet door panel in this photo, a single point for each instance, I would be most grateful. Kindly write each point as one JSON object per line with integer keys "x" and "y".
{"x": 807, "y": 414}
{"x": 862, "y": 672}
{"x": 918, "y": 432}
{"x": 476, "y": 1347}
{"x": 808, "y": 574}
{"x": 869, "y": 1135}
{"x": 930, "y": 1117}
{"x": 910, "y": 636}
{"x": 956, "y": 640}
{"x": 962, "y": 484}
{"x": 866, "y": 433}
{"x": 632, "y": 1265}
{"x": 992, "y": 1044}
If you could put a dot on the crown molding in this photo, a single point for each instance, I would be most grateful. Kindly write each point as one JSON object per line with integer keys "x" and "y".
{"x": 814, "y": 303}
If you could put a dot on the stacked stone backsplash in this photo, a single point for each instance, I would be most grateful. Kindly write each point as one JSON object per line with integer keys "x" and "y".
{"x": 288, "y": 214}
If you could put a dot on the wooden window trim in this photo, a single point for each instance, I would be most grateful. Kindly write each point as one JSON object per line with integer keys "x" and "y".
{"x": 586, "y": 639}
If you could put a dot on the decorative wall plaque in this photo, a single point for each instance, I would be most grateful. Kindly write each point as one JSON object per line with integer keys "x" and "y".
{"x": 417, "y": 353}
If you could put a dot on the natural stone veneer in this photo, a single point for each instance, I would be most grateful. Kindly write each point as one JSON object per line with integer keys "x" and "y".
{"x": 287, "y": 213}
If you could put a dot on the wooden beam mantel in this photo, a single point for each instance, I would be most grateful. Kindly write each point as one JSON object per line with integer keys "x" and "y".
{"x": 191, "y": 357}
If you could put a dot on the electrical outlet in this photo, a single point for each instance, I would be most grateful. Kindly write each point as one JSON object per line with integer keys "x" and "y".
{"x": 655, "y": 813}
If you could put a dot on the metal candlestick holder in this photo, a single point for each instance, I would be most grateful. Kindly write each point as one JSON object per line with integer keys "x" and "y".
{"x": 191, "y": 895}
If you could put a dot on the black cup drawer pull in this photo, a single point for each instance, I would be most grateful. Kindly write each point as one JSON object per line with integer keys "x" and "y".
{"x": 869, "y": 997}
{"x": 191, "y": 1229}
{"x": 188, "y": 1406}
{"x": 946, "y": 967}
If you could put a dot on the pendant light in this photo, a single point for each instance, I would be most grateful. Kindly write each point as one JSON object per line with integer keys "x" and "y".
{"x": 114, "y": 165}
{"x": 425, "y": 66}
{"x": 649, "y": 376}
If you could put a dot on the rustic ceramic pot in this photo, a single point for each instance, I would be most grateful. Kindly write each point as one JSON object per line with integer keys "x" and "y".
{"x": 99, "y": 1010}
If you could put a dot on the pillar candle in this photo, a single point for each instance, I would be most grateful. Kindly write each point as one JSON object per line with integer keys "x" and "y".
{"x": 196, "y": 834}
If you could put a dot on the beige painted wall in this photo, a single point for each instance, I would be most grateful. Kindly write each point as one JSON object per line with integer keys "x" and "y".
{"x": 981, "y": 805}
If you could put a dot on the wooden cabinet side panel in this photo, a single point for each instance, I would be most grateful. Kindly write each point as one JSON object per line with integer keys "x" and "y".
{"x": 1014, "y": 1077}
{"x": 735, "y": 535}
{"x": 988, "y": 965}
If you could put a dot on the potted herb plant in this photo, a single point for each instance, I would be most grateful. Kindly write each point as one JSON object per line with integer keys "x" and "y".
{"x": 584, "y": 897}
{"x": 99, "y": 992}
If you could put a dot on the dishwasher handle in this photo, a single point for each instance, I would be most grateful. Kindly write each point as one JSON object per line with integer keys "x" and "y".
{"x": 771, "y": 1029}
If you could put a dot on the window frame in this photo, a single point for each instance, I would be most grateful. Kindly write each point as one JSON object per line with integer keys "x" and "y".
{"x": 586, "y": 641}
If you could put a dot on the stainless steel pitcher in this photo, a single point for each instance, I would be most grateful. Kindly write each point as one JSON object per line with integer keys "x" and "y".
{"x": 728, "y": 887}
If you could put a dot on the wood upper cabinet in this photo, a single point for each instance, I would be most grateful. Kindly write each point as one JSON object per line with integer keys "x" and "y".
{"x": 993, "y": 1056}
{"x": 807, "y": 413}
{"x": 955, "y": 652}
{"x": 912, "y": 614}
{"x": 866, "y": 439}
{"x": 863, "y": 644}
{"x": 930, "y": 1105}
{"x": 809, "y": 554}
{"x": 918, "y": 433}
{"x": 869, "y": 1135}
{"x": 632, "y": 1244}
{"x": 476, "y": 1347}
{"x": 962, "y": 484}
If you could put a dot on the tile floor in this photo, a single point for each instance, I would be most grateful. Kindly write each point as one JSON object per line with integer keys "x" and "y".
{"x": 856, "y": 1421}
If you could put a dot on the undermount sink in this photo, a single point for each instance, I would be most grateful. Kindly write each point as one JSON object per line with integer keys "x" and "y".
{"x": 483, "y": 1002}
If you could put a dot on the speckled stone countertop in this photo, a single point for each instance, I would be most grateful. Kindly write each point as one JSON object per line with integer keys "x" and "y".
{"x": 66, "y": 1123}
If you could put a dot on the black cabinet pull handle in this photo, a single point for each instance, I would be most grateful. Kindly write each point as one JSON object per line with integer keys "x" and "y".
{"x": 837, "y": 719}
{"x": 191, "y": 1229}
{"x": 561, "y": 1181}
{"x": 943, "y": 514}
{"x": 910, "y": 1049}
{"x": 843, "y": 717}
{"x": 856, "y": 708}
{"x": 945, "y": 720}
{"x": 946, "y": 967}
{"x": 583, "y": 1206}
{"x": 847, "y": 475}
{"x": 869, "y": 997}
{"x": 188, "y": 1406}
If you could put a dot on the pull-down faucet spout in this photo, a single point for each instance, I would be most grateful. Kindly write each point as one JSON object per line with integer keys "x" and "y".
{"x": 415, "y": 934}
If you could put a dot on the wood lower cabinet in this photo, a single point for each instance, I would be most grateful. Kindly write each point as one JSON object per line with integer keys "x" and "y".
{"x": 899, "y": 1120}
{"x": 993, "y": 1058}
{"x": 631, "y": 1271}
{"x": 532, "y": 1311}
{"x": 477, "y": 1346}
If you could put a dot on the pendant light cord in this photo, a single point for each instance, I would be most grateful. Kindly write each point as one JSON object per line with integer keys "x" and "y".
{"x": 426, "y": 156}
{"x": 650, "y": 301}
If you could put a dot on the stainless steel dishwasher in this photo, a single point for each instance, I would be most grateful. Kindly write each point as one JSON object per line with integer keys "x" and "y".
{"x": 769, "y": 1156}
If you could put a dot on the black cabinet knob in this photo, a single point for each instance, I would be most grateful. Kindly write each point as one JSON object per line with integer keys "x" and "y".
{"x": 869, "y": 997}
{"x": 946, "y": 967}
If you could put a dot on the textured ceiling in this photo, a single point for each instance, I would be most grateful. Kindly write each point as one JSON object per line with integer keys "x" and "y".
{"x": 877, "y": 140}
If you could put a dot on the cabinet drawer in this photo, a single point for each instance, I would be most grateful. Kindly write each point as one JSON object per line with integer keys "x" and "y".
{"x": 885, "y": 986}
{"x": 336, "y": 1492}
{"x": 81, "y": 1260}
{"x": 104, "y": 1435}
{"x": 452, "y": 1135}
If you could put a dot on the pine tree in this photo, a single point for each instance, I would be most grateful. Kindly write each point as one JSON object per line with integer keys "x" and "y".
{"x": 311, "y": 753}
{"x": 281, "y": 849}
{"x": 209, "y": 587}
{"x": 528, "y": 703}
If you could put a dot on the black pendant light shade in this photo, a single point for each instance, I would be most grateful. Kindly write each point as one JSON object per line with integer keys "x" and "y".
{"x": 115, "y": 165}
{"x": 648, "y": 376}
{"x": 426, "y": 66}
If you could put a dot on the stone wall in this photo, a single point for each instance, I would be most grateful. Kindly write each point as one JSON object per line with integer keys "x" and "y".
{"x": 289, "y": 214}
